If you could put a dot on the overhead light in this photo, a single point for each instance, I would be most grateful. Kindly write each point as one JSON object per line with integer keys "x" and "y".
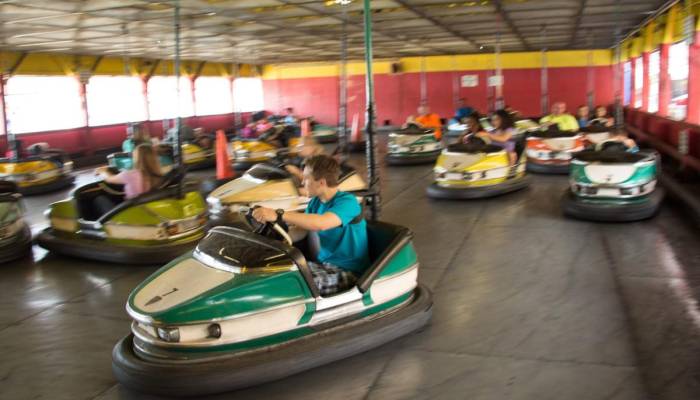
{"x": 211, "y": 14}
{"x": 481, "y": 47}
{"x": 343, "y": 2}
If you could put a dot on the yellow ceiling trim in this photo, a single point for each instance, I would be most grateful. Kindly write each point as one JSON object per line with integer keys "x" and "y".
{"x": 467, "y": 62}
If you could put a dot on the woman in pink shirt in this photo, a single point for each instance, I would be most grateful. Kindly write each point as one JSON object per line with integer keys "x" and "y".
{"x": 143, "y": 177}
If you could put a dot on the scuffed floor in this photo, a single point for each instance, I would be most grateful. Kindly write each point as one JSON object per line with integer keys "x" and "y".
{"x": 528, "y": 305}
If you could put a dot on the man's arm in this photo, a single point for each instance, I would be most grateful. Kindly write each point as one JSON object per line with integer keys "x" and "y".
{"x": 309, "y": 222}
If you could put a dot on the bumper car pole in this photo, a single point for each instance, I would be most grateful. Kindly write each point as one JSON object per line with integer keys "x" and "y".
{"x": 544, "y": 100}
{"x": 177, "y": 149}
{"x": 343, "y": 111}
{"x": 372, "y": 176}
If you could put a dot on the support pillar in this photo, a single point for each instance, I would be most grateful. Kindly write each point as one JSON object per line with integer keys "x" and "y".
{"x": 664, "y": 76}
{"x": 4, "y": 131}
{"x": 633, "y": 85}
{"x": 82, "y": 91}
{"x": 648, "y": 46}
{"x": 193, "y": 93}
{"x": 694, "y": 79}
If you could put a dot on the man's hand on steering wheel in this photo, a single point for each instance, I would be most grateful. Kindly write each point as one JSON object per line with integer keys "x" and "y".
{"x": 264, "y": 214}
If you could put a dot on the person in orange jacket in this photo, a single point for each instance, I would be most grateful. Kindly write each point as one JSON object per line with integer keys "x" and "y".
{"x": 426, "y": 119}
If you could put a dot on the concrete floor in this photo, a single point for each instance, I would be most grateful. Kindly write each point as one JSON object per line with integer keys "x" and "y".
{"x": 528, "y": 305}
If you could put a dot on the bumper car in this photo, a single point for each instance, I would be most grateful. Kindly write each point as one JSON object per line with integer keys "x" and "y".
{"x": 325, "y": 133}
{"x": 15, "y": 236}
{"x": 196, "y": 157}
{"x": 248, "y": 152}
{"x": 550, "y": 152}
{"x": 270, "y": 186}
{"x": 477, "y": 170}
{"x": 412, "y": 145}
{"x": 455, "y": 128}
{"x": 38, "y": 174}
{"x": 122, "y": 160}
{"x": 242, "y": 309}
{"x": 154, "y": 227}
{"x": 613, "y": 185}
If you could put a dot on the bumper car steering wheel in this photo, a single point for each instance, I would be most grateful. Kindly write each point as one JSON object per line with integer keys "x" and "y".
{"x": 272, "y": 230}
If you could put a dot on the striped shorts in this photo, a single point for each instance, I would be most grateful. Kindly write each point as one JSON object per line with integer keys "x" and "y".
{"x": 331, "y": 279}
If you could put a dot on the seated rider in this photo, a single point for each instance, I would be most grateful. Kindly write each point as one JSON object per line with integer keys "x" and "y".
{"x": 502, "y": 134}
{"x": 343, "y": 255}
{"x": 583, "y": 116}
{"x": 290, "y": 118}
{"x": 463, "y": 110}
{"x": 566, "y": 122}
{"x": 136, "y": 134}
{"x": 601, "y": 116}
{"x": 621, "y": 136}
{"x": 426, "y": 119}
{"x": 145, "y": 176}
{"x": 474, "y": 128}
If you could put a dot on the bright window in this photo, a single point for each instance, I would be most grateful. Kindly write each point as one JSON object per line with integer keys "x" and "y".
{"x": 678, "y": 60}
{"x": 654, "y": 74}
{"x": 213, "y": 96}
{"x": 43, "y": 103}
{"x": 638, "y": 82}
{"x": 162, "y": 97}
{"x": 247, "y": 94}
{"x": 627, "y": 90}
{"x": 115, "y": 99}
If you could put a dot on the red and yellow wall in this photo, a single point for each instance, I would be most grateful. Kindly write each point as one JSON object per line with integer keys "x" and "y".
{"x": 313, "y": 88}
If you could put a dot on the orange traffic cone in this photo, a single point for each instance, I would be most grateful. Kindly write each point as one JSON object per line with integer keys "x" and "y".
{"x": 305, "y": 128}
{"x": 223, "y": 167}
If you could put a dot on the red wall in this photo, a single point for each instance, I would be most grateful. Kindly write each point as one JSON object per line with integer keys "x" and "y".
{"x": 91, "y": 139}
{"x": 398, "y": 95}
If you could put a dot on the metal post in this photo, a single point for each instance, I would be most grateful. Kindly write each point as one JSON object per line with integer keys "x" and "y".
{"x": 499, "y": 104}
{"x": 544, "y": 100}
{"x": 343, "y": 90}
{"x": 372, "y": 176}
{"x": 423, "y": 83}
{"x": 177, "y": 151}
{"x": 590, "y": 78}
{"x": 616, "y": 86}
{"x": 455, "y": 82}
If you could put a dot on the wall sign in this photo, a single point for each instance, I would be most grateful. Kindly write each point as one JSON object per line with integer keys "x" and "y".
{"x": 470, "y": 80}
{"x": 496, "y": 80}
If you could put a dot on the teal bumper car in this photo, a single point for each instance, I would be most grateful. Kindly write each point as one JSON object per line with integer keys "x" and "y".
{"x": 242, "y": 309}
{"x": 15, "y": 235}
{"x": 613, "y": 185}
{"x": 413, "y": 145}
{"x": 122, "y": 160}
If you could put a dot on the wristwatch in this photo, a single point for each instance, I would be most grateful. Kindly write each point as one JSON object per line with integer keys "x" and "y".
{"x": 280, "y": 213}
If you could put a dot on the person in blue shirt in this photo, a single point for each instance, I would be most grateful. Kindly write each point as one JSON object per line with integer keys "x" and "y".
{"x": 290, "y": 118}
{"x": 463, "y": 110}
{"x": 583, "y": 116}
{"x": 336, "y": 217}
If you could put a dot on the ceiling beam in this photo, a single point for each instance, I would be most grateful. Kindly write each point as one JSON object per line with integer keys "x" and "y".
{"x": 506, "y": 18}
{"x": 436, "y": 22}
{"x": 577, "y": 21}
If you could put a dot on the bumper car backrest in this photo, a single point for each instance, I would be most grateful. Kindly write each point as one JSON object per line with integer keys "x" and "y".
{"x": 612, "y": 157}
{"x": 85, "y": 196}
{"x": 612, "y": 147}
{"x": 7, "y": 187}
{"x": 412, "y": 129}
{"x": 173, "y": 177}
{"x": 268, "y": 172}
{"x": 473, "y": 148}
{"x": 385, "y": 240}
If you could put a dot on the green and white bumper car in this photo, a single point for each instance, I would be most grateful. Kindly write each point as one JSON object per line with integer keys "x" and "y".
{"x": 243, "y": 309}
{"x": 152, "y": 228}
{"x": 270, "y": 186}
{"x": 325, "y": 133}
{"x": 15, "y": 235}
{"x": 412, "y": 145}
{"x": 613, "y": 185}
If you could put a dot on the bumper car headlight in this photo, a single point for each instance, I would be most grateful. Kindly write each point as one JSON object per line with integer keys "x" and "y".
{"x": 171, "y": 335}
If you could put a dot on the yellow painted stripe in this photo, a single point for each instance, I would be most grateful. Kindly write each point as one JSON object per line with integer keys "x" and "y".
{"x": 466, "y": 62}
{"x": 65, "y": 64}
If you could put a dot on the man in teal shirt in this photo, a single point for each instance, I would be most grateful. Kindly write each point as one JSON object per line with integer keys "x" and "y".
{"x": 336, "y": 217}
